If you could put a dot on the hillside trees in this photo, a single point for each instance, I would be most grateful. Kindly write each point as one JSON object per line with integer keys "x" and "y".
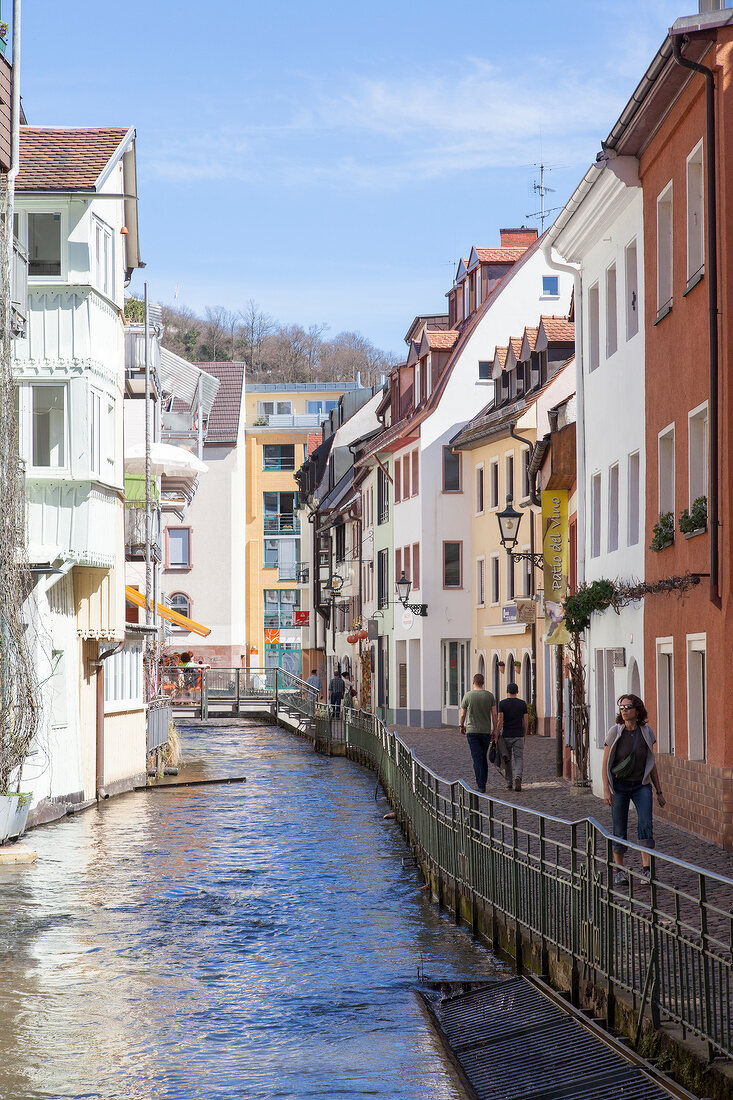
{"x": 273, "y": 352}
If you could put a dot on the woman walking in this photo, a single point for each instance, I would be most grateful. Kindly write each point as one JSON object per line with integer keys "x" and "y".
{"x": 629, "y": 771}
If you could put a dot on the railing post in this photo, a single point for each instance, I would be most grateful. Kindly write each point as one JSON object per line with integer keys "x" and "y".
{"x": 204, "y": 693}
{"x": 236, "y": 688}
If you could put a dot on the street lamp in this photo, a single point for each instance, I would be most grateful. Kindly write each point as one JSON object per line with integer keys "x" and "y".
{"x": 403, "y": 586}
{"x": 509, "y": 521}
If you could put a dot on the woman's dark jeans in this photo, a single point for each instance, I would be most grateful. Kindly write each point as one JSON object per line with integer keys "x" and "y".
{"x": 479, "y": 744}
{"x": 641, "y": 795}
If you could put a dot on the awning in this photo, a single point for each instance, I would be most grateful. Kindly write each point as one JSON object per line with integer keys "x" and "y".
{"x": 164, "y": 459}
{"x": 167, "y": 613}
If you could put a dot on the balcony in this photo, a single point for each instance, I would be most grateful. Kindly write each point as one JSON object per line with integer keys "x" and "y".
{"x": 282, "y": 523}
{"x": 286, "y": 420}
{"x": 278, "y": 464}
{"x": 282, "y": 617}
{"x": 135, "y": 533}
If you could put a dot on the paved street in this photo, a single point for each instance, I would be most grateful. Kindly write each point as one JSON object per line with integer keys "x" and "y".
{"x": 446, "y": 752}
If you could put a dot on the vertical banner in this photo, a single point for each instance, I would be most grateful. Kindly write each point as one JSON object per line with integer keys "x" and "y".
{"x": 556, "y": 559}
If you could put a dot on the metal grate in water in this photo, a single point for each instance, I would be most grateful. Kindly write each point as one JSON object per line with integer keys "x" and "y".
{"x": 513, "y": 1043}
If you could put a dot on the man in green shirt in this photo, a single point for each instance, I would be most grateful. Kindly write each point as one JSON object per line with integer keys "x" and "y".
{"x": 479, "y": 707}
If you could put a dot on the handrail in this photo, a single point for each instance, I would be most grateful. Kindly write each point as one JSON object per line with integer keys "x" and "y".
{"x": 553, "y": 879}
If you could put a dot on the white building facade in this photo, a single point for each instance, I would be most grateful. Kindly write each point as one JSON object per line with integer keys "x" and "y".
{"x": 601, "y": 231}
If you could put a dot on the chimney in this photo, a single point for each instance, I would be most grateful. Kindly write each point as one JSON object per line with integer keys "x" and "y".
{"x": 518, "y": 238}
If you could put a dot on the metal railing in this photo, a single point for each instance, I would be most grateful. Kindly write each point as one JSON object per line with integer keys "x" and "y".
{"x": 135, "y": 532}
{"x": 283, "y": 617}
{"x": 159, "y": 718}
{"x": 280, "y": 523}
{"x": 667, "y": 942}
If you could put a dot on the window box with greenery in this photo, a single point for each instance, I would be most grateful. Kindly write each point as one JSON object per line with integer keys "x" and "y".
{"x": 663, "y": 534}
{"x": 695, "y": 521}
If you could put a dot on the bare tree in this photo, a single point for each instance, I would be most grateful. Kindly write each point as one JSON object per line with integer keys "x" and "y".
{"x": 256, "y": 328}
{"x": 216, "y": 333}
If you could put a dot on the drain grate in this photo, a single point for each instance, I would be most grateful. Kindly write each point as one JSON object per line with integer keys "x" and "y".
{"x": 513, "y": 1043}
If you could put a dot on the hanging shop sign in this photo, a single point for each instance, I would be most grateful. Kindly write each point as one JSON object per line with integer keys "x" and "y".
{"x": 555, "y": 536}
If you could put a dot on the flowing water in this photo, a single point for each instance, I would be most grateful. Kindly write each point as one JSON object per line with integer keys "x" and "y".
{"x": 253, "y": 940}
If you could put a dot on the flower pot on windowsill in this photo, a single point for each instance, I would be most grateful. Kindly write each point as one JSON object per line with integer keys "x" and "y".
{"x": 697, "y": 531}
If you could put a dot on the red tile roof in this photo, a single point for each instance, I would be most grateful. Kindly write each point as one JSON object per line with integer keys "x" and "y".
{"x": 224, "y": 416}
{"x": 314, "y": 440}
{"x": 65, "y": 159}
{"x": 501, "y": 354}
{"x": 530, "y": 333}
{"x": 558, "y": 329}
{"x": 500, "y": 255}
{"x": 516, "y": 343}
{"x": 441, "y": 340}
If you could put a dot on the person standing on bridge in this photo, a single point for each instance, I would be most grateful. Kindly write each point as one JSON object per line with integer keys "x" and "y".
{"x": 477, "y": 722}
{"x": 629, "y": 770}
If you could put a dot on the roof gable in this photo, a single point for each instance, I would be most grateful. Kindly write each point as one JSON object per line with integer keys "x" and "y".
{"x": 227, "y": 407}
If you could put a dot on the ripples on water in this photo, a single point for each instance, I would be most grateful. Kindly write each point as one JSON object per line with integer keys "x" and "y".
{"x": 255, "y": 940}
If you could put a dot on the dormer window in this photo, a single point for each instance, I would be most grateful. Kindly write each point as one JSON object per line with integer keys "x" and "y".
{"x": 417, "y": 384}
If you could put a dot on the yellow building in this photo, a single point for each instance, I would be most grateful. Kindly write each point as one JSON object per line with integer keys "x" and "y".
{"x": 283, "y": 426}
{"x": 508, "y": 625}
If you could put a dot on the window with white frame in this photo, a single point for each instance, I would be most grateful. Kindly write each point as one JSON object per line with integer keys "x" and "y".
{"x": 44, "y": 244}
{"x": 665, "y": 695}
{"x": 695, "y": 214}
{"x": 550, "y": 286}
{"x": 417, "y": 391}
{"x": 666, "y": 470}
{"x": 664, "y": 250}
{"x": 595, "y": 515}
{"x": 95, "y": 432}
{"x": 480, "y": 489}
{"x": 611, "y": 312}
{"x": 632, "y": 518}
{"x": 494, "y": 483}
{"x": 275, "y": 408}
{"x": 697, "y": 703}
{"x": 180, "y": 602}
{"x": 494, "y": 579}
{"x": 632, "y": 290}
{"x": 480, "y": 582}
{"x": 600, "y": 685}
{"x": 527, "y": 571}
{"x": 511, "y": 588}
{"x": 509, "y": 475}
{"x": 594, "y": 328}
{"x": 179, "y": 547}
{"x": 613, "y": 507}
{"x": 524, "y": 473}
{"x": 123, "y": 679}
{"x": 103, "y": 257}
{"x": 697, "y": 425}
{"x": 428, "y": 375}
{"x": 43, "y": 424}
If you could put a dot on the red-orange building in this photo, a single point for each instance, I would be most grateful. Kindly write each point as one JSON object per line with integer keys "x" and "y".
{"x": 683, "y": 139}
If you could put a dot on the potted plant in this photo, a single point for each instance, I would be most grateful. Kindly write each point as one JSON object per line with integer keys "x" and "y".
{"x": 4, "y": 29}
{"x": 695, "y": 521}
{"x": 663, "y": 532}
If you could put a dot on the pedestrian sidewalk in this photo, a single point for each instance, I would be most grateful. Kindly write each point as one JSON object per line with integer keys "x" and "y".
{"x": 445, "y": 751}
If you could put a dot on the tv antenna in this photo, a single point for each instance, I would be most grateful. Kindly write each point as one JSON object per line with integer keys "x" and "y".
{"x": 542, "y": 190}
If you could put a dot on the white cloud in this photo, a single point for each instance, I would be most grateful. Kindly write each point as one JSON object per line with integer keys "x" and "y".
{"x": 380, "y": 133}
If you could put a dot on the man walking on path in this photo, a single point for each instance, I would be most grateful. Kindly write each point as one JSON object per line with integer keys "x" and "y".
{"x": 513, "y": 725}
{"x": 314, "y": 681}
{"x": 479, "y": 706}
{"x": 336, "y": 690}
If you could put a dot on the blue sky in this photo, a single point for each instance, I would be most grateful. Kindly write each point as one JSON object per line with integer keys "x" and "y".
{"x": 332, "y": 161}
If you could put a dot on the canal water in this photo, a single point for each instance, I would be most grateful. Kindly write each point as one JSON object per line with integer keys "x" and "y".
{"x": 252, "y": 940}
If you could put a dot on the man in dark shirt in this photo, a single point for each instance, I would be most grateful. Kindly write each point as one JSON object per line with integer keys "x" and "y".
{"x": 513, "y": 724}
{"x": 336, "y": 690}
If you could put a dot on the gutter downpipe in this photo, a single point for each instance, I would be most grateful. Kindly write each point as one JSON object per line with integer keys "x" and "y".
{"x": 712, "y": 273}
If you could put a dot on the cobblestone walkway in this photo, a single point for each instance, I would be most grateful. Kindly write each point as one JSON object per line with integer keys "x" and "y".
{"x": 446, "y": 752}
